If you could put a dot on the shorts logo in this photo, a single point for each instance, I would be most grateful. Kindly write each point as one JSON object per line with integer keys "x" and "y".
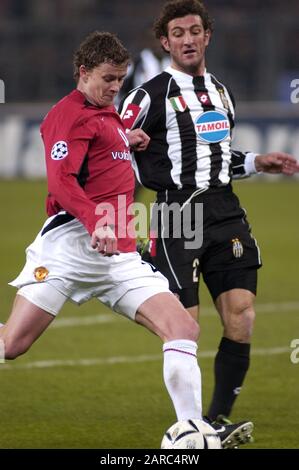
{"x": 40, "y": 273}
{"x": 237, "y": 248}
{"x": 59, "y": 150}
{"x": 212, "y": 127}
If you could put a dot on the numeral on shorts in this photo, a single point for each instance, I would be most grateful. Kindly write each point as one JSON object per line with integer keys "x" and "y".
{"x": 195, "y": 269}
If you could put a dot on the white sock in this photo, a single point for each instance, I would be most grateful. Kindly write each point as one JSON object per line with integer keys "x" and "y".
{"x": 182, "y": 378}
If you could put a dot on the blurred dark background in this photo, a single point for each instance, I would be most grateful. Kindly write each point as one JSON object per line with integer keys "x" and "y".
{"x": 255, "y": 47}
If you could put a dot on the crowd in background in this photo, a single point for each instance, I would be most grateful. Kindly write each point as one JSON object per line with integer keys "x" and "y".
{"x": 255, "y": 50}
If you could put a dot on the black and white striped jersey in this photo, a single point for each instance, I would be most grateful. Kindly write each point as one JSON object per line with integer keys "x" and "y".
{"x": 190, "y": 122}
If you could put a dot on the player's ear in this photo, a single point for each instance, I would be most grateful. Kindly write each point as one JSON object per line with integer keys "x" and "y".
{"x": 83, "y": 73}
{"x": 164, "y": 43}
{"x": 207, "y": 37}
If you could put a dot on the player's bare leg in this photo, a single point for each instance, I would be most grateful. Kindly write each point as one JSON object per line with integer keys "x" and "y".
{"x": 236, "y": 308}
{"x": 24, "y": 325}
{"x": 194, "y": 312}
{"x": 164, "y": 315}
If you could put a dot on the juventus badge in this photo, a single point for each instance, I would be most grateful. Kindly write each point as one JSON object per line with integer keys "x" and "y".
{"x": 223, "y": 99}
{"x": 237, "y": 248}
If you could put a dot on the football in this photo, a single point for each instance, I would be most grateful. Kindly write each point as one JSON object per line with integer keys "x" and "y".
{"x": 191, "y": 434}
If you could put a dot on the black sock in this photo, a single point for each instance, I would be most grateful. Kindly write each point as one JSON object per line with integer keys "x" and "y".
{"x": 231, "y": 365}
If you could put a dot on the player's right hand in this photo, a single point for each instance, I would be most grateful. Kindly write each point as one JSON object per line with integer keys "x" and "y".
{"x": 104, "y": 241}
{"x": 138, "y": 140}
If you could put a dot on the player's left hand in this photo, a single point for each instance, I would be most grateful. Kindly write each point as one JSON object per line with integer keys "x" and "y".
{"x": 138, "y": 140}
{"x": 277, "y": 162}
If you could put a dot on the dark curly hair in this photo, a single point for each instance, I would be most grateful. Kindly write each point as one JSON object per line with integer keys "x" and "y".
{"x": 97, "y": 48}
{"x": 177, "y": 9}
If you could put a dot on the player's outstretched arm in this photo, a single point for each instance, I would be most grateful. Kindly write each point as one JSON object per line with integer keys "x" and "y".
{"x": 277, "y": 162}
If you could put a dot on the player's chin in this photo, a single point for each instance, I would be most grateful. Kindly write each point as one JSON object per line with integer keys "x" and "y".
{"x": 190, "y": 60}
{"x": 106, "y": 101}
{"x": 110, "y": 101}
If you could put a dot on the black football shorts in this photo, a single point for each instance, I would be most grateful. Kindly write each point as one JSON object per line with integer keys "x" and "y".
{"x": 228, "y": 256}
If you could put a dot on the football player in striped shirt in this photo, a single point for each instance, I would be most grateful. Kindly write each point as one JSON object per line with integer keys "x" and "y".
{"x": 189, "y": 115}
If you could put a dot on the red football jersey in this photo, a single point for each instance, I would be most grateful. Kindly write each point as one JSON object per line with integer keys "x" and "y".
{"x": 89, "y": 165}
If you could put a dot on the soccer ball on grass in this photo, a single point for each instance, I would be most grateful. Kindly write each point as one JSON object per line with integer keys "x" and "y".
{"x": 191, "y": 434}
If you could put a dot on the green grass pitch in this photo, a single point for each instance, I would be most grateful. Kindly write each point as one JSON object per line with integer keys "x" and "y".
{"x": 98, "y": 383}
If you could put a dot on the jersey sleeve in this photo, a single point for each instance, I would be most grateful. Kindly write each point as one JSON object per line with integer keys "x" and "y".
{"x": 133, "y": 109}
{"x": 242, "y": 164}
{"x": 65, "y": 158}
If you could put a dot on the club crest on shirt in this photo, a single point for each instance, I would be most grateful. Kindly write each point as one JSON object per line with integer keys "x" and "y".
{"x": 223, "y": 98}
{"x": 212, "y": 127}
{"x": 178, "y": 103}
{"x": 237, "y": 248}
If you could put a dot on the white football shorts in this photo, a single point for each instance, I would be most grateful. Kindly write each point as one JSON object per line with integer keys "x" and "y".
{"x": 61, "y": 265}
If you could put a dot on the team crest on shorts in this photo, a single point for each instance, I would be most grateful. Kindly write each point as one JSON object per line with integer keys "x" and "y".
{"x": 238, "y": 249}
{"x": 59, "y": 150}
{"x": 41, "y": 273}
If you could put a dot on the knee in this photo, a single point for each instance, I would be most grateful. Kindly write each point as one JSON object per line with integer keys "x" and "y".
{"x": 193, "y": 329}
{"x": 239, "y": 322}
{"x": 244, "y": 311}
{"x": 185, "y": 327}
{"x": 12, "y": 350}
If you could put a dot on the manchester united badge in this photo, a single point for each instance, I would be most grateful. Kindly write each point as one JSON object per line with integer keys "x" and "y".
{"x": 40, "y": 273}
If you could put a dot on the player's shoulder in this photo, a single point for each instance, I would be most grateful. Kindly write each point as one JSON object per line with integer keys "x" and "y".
{"x": 154, "y": 86}
{"x": 70, "y": 105}
{"x": 222, "y": 84}
{"x": 159, "y": 80}
{"x": 73, "y": 110}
